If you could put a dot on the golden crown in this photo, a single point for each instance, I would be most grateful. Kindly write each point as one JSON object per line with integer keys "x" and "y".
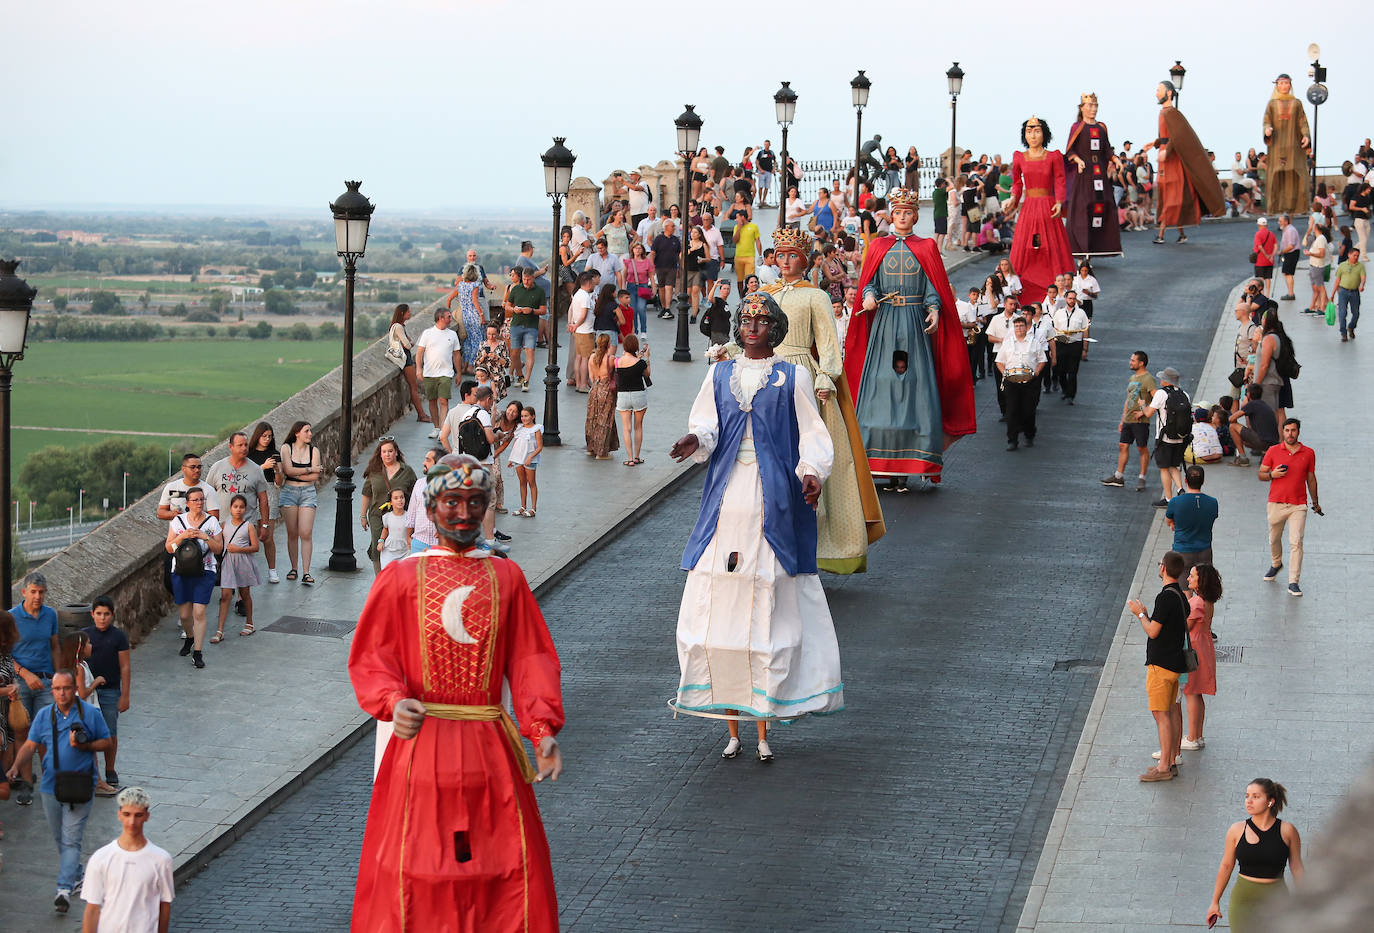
{"x": 756, "y": 304}
{"x": 1090, "y": 96}
{"x": 903, "y": 197}
{"x": 788, "y": 238}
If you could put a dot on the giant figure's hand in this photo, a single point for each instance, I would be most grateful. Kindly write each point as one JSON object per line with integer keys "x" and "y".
{"x": 548, "y": 759}
{"x": 406, "y": 717}
{"x": 870, "y": 302}
{"x": 811, "y": 489}
{"x": 932, "y": 320}
{"x": 1057, "y": 209}
{"x": 685, "y": 447}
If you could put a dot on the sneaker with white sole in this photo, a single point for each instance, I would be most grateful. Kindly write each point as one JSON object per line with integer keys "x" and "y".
{"x": 1271, "y": 573}
{"x": 1294, "y": 590}
{"x": 731, "y": 749}
{"x": 62, "y": 902}
{"x": 1114, "y": 480}
{"x": 272, "y": 577}
{"x": 432, "y": 435}
{"x": 765, "y": 753}
{"x": 1177, "y": 761}
{"x": 1189, "y": 745}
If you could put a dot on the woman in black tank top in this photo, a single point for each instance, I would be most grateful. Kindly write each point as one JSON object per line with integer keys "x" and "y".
{"x": 1261, "y": 844}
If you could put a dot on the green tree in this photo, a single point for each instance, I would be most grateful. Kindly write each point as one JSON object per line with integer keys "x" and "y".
{"x": 265, "y": 282}
{"x": 306, "y": 279}
{"x": 59, "y": 303}
{"x": 329, "y": 330}
{"x": 405, "y": 246}
{"x": 277, "y": 301}
{"x": 52, "y": 472}
{"x": 180, "y": 310}
{"x": 143, "y": 301}
{"x": 105, "y": 303}
{"x": 260, "y": 331}
{"x": 218, "y": 302}
{"x": 300, "y": 331}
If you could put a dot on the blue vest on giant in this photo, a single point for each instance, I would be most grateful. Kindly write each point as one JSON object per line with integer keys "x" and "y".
{"x": 789, "y": 524}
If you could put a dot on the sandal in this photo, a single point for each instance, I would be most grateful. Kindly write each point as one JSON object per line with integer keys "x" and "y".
{"x": 639, "y": 460}
{"x": 308, "y": 580}
{"x": 529, "y": 513}
{"x": 628, "y": 462}
{"x": 501, "y": 509}
{"x": 292, "y": 574}
{"x": 519, "y": 513}
{"x": 247, "y": 629}
{"x": 218, "y": 637}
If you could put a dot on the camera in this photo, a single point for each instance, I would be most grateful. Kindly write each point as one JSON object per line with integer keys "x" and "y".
{"x": 79, "y": 733}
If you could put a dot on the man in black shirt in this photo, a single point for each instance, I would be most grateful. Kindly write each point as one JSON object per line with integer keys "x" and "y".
{"x": 766, "y": 162}
{"x": 666, "y": 254}
{"x": 1167, "y": 630}
{"x": 1263, "y": 430}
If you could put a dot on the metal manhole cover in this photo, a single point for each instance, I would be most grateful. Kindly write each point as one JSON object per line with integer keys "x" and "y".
{"x": 303, "y": 625}
{"x": 1230, "y": 654}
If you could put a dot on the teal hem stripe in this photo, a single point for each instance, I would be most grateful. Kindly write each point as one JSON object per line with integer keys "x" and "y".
{"x": 835, "y": 689}
{"x": 694, "y": 687}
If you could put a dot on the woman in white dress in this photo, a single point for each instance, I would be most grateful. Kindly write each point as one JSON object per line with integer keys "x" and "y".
{"x": 754, "y": 634}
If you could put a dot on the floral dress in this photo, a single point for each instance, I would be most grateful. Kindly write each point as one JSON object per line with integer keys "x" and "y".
{"x": 472, "y": 320}
{"x": 497, "y": 361}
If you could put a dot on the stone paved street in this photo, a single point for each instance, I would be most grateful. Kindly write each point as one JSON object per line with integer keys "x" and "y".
{"x": 971, "y": 653}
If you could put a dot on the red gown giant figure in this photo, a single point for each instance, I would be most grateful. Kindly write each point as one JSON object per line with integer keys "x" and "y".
{"x": 454, "y": 842}
{"x": 1039, "y": 247}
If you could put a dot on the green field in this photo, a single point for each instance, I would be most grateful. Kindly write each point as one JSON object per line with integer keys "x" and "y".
{"x": 172, "y": 388}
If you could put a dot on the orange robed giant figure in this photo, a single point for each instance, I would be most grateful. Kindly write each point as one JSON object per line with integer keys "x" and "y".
{"x": 454, "y": 843}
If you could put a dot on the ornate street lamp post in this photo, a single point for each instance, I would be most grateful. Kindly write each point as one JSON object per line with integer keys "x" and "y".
{"x": 558, "y": 169}
{"x": 785, "y": 103}
{"x": 1316, "y": 96}
{"x": 688, "y": 136}
{"x": 16, "y": 302}
{"x": 352, "y": 214}
{"x": 1176, "y": 74}
{"x": 955, "y": 75}
{"x": 859, "y": 87}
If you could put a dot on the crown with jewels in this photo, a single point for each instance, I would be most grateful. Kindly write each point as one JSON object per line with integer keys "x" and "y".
{"x": 788, "y": 238}
{"x": 1090, "y": 96}
{"x": 757, "y": 304}
{"x": 903, "y": 197}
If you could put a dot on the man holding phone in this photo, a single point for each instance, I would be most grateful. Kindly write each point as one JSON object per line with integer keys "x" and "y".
{"x": 1290, "y": 469}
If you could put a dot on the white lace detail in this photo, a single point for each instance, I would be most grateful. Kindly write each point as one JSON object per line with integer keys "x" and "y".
{"x": 747, "y": 377}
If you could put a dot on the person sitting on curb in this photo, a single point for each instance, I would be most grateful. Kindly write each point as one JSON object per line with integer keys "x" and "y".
{"x": 1262, "y": 430}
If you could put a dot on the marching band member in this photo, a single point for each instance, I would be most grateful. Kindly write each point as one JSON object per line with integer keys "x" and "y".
{"x": 1071, "y": 325}
{"x": 1020, "y": 362}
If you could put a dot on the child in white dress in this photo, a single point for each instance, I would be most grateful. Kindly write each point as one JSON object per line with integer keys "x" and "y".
{"x": 394, "y": 545}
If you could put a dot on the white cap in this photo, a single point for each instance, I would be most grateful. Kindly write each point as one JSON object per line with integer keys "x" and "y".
{"x": 1263, "y": 221}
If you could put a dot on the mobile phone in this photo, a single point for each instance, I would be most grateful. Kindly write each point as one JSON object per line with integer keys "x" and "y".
{"x": 1212, "y": 922}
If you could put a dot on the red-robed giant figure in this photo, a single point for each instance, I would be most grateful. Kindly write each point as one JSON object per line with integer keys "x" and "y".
{"x": 454, "y": 843}
{"x": 906, "y": 357}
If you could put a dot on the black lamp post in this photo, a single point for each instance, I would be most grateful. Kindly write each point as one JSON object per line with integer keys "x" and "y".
{"x": 859, "y": 87}
{"x": 16, "y": 301}
{"x": 785, "y": 102}
{"x": 1176, "y": 74}
{"x": 1316, "y": 96}
{"x": 688, "y": 135}
{"x": 558, "y": 169}
{"x": 352, "y": 214}
{"x": 955, "y": 75}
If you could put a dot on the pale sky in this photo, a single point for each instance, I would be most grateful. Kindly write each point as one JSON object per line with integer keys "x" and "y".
{"x": 448, "y": 105}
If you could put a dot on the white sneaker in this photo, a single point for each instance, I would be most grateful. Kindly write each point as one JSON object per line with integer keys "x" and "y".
{"x": 432, "y": 435}
{"x": 765, "y": 753}
{"x": 498, "y": 547}
{"x": 1177, "y": 761}
{"x": 1192, "y": 746}
{"x": 731, "y": 749}
{"x": 272, "y": 577}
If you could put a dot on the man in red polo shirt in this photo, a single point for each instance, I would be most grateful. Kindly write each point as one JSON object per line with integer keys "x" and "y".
{"x": 1290, "y": 469}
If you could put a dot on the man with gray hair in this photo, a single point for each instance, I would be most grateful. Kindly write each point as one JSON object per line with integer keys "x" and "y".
{"x": 1289, "y": 253}
{"x": 237, "y": 475}
{"x": 128, "y": 886}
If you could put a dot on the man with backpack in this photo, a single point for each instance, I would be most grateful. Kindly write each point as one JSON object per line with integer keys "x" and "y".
{"x": 468, "y": 430}
{"x": 1175, "y": 412}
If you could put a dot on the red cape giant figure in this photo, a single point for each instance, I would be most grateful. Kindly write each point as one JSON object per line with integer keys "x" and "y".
{"x": 953, "y": 378}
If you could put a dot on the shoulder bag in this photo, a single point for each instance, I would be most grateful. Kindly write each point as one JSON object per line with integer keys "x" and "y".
{"x": 70, "y": 787}
{"x": 1189, "y": 654}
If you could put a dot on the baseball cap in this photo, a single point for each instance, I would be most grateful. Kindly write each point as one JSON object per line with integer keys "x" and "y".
{"x": 1263, "y": 221}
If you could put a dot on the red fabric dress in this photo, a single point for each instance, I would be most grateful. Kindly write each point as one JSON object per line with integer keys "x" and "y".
{"x": 1039, "y": 247}
{"x": 454, "y": 843}
{"x": 1204, "y": 679}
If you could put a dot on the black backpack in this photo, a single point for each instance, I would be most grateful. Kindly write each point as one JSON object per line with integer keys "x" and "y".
{"x": 1287, "y": 364}
{"x": 187, "y": 559}
{"x": 472, "y": 436}
{"x": 1178, "y": 416}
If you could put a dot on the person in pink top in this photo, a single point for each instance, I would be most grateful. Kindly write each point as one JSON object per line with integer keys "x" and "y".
{"x": 1290, "y": 469}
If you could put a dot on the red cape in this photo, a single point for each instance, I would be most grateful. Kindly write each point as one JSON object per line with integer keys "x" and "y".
{"x": 952, "y": 374}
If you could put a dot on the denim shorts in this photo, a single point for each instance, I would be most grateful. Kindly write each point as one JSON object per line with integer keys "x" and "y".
{"x": 109, "y": 707}
{"x": 523, "y": 338}
{"x": 299, "y": 497}
{"x": 632, "y": 401}
{"x": 197, "y": 590}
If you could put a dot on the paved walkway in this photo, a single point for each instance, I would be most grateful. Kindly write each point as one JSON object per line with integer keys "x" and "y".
{"x": 1295, "y": 705}
{"x": 219, "y": 748}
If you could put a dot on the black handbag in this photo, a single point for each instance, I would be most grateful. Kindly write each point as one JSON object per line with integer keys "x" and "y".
{"x": 70, "y": 787}
{"x": 1189, "y": 653}
{"x": 1237, "y": 377}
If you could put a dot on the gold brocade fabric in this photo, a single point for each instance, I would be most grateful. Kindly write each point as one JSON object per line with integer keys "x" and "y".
{"x": 458, "y": 607}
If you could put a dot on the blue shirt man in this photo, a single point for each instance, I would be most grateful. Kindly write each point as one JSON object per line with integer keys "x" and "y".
{"x": 66, "y": 821}
{"x": 1190, "y": 515}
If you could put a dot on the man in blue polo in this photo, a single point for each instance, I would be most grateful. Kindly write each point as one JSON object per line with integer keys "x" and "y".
{"x": 81, "y": 732}
{"x": 1190, "y": 516}
{"x": 36, "y": 656}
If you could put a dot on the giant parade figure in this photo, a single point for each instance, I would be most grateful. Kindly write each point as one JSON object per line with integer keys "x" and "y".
{"x": 905, "y": 354}
{"x": 1186, "y": 186}
{"x": 849, "y": 516}
{"x": 1289, "y": 142}
{"x": 1040, "y": 250}
{"x": 453, "y": 842}
{"x": 755, "y": 640}
{"x": 1090, "y": 211}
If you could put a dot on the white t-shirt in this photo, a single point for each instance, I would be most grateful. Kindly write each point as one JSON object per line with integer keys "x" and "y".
{"x": 715, "y": 243}
{"x": 1087, "y": 287}
{"x": 439, "y": 346}
{"x": 767, "y": 274}
{"x": 581, "y": 310}
{"x": 1157, "y": 402}
{"x": 968, "y": 312}
{"x": 395, "y": 526}
{"x": 128, "y": 887}
{"x": 1205, "y": 441}
{"x": 457, "y": 416}
{"x": 174, "y": 494}
{"x": 211, "y": 526}
{"x": 1319, "y": 243}
{"x": 649, "y": 228}
{"x": 639, "y": 200}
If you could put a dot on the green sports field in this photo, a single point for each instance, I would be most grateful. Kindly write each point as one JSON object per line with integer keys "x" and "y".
{"x": 170, "y": 389}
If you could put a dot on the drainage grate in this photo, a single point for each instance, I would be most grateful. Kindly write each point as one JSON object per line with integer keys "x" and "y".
{"x": 1230, "y": 654}
{"x": 302, "y": 625}
{"x": 1075, "y": 664}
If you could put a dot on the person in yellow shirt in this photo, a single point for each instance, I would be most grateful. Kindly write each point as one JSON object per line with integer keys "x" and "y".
{"x": 746, "y": 237}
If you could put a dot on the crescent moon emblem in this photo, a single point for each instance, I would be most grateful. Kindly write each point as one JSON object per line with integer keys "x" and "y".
{"x": 782, "y": 378}
{"x": 451, "y": 614}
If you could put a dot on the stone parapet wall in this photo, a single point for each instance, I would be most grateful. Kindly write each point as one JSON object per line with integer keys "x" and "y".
{"x": 124, "y": 557}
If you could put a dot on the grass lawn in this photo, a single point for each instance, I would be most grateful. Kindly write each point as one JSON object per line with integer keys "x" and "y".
{"x": 173, "y": 388}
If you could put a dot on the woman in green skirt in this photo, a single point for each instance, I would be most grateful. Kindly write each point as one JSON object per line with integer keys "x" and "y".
{"x": 1262, "y": 844}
